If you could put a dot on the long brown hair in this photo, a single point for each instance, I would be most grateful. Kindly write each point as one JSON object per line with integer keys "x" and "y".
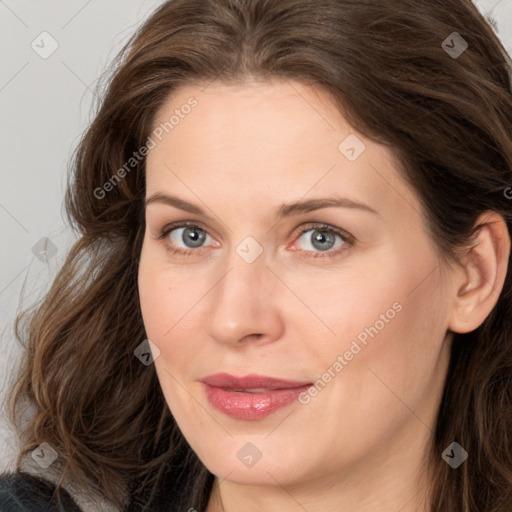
{"x": 448, "y": 119}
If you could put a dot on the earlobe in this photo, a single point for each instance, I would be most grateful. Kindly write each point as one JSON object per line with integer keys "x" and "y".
{"x": 482, "y": 272}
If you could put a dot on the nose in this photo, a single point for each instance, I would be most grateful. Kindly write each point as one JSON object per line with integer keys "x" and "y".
{"x": 244, "y": 304}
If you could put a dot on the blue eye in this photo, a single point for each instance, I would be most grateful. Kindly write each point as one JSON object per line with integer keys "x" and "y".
{"x": 323, "y": 241}
{"x": 191, "y": 236}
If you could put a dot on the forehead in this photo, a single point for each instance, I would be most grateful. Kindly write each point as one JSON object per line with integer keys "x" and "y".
{"x": 255, "y": 119}
{"x": 276, "y": 140}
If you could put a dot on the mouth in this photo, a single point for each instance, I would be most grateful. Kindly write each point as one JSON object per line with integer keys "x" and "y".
{"x": 251, "y": 397}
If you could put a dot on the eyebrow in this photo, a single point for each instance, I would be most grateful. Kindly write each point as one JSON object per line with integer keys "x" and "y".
{"x": 282, "y": 211}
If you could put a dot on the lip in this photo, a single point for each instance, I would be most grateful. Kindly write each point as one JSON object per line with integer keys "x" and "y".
{"x": 251, "y": 397}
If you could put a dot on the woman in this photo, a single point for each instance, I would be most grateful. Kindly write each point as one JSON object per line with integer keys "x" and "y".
{"x": 336, "y": 332}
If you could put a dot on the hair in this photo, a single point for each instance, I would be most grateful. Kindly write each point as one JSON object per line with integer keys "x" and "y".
{"x": 447, "y": 120}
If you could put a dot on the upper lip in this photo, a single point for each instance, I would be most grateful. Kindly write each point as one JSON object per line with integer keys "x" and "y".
{"x": 227, "y": 381}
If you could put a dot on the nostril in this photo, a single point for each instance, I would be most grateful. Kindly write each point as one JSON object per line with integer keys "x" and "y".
{"x": 250, "y": 336}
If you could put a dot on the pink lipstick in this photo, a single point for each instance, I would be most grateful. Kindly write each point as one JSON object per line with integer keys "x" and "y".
{"x": 251, "y": 397}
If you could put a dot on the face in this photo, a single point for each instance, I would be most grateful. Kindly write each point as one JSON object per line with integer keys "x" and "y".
{"x": 283, "y": 245}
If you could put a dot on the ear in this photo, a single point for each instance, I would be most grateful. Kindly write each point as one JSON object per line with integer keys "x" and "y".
{"x": 481, "y": 273}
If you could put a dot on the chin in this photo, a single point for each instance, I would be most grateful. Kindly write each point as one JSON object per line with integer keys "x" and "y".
{"x": 252, "y": 460}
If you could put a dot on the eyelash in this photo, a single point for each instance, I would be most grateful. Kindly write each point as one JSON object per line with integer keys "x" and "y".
{"x": 348, "y": 240}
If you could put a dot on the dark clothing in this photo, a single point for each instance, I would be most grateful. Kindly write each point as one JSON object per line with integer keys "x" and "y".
{"x": 22, "y": 492}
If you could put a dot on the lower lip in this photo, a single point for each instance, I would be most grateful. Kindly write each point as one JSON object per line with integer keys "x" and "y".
{"x": 251, "y": 406}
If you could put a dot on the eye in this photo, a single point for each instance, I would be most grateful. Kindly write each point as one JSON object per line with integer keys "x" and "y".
{"x": 318, "y": 239}
{"x": 185, "y": 237}
{"x": 192, "y": 237}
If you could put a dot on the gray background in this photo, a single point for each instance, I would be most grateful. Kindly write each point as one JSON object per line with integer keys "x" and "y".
{"x": 45, "y": 104}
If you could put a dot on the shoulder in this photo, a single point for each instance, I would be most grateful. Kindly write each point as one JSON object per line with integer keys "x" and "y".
{"x": 22, "y": 492}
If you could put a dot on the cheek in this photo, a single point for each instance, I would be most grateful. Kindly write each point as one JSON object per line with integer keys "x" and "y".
{"x": 170, "y": 312}
{"x": 162, "y": 296}
{"x": 351, "y": 313}
{"x": 164, "y": 301}
{"x": 401, "y": 362}
{"x": 390, "y": 331}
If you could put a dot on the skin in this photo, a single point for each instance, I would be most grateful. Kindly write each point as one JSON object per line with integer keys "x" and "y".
{"x": 361, "y": 443}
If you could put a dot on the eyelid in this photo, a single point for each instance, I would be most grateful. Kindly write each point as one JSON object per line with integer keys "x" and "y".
{"x": 322, "y": 226}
